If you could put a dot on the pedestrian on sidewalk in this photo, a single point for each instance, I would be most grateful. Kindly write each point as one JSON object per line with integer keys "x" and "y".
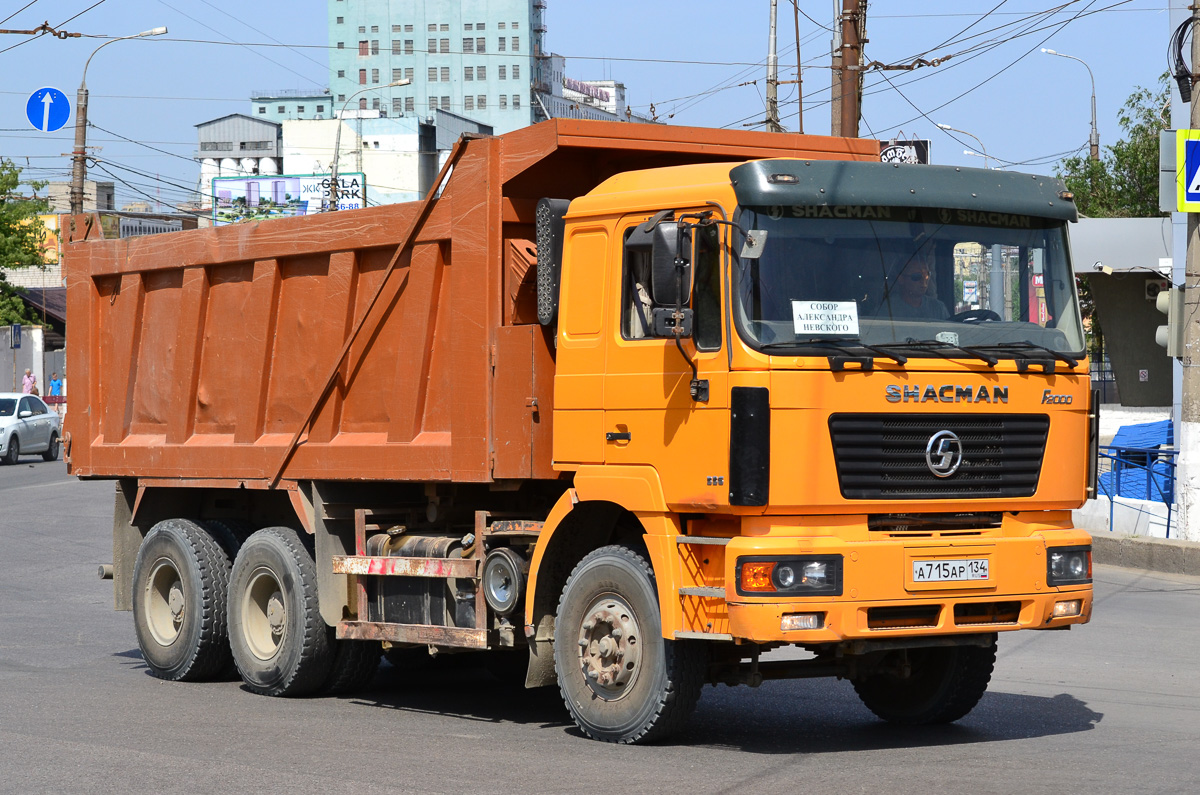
{"x": 29, "y": 382}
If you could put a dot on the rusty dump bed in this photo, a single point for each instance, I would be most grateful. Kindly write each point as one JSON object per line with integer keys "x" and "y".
{"x": 204, "y": 355}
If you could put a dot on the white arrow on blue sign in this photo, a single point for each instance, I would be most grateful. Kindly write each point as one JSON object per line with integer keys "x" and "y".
{"x": 48, "y": 109}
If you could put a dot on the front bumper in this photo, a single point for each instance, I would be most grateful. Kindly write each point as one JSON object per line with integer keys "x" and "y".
{"x": 879, "y": 598}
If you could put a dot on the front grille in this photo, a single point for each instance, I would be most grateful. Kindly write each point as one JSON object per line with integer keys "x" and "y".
{"x": 882, "y": 456}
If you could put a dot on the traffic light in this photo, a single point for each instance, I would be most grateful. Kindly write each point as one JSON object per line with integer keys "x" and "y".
{"x": 1170, "y": 336}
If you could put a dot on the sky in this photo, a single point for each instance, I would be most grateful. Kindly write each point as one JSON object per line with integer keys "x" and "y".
{"x": 700, "y": 63}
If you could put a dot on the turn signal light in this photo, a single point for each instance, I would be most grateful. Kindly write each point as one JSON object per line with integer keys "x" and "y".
{"x": 756, "y": 576}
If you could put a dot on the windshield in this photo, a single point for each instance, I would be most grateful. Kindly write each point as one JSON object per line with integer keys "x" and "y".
{"x": 906, "y": 278}
{"x": 7, "y": 407}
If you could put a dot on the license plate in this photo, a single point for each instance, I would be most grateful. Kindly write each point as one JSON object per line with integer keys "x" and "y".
{"x": 950, "y": 570}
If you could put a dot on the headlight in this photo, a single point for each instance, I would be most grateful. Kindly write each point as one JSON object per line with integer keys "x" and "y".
{"x": 808, "y": 575}
{"x": 1068, "y": 565}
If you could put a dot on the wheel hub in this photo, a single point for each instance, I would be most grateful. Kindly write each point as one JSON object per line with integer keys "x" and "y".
{"x": 276, "y": 613}
{"x": 165, "y": 603}
{"x": 264, "y": 614}
{"x": 175, "y": 603}
{"x": 609, "y": 647}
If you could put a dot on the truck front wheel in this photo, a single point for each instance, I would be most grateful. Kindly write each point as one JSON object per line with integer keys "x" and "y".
{"x": 280, "y": 643}
{"x": 924, "y": 686}
{"x": 180, "y": 582}
{"x": 621, "y": 681}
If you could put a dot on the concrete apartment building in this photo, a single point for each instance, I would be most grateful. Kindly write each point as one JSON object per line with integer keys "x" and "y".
{"x": 485, "y": 60}
{"x": 475, "y": 65}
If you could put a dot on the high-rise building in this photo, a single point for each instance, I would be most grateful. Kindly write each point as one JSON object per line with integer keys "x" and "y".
{"x": 481, "y": 59}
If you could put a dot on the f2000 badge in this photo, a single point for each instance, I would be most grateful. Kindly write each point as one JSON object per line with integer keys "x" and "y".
{"x": 1048, "y": 398}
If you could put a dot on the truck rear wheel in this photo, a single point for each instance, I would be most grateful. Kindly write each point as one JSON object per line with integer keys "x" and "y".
{"x": 924, "y": 686}
{"x": 621, "y": 681}
{"x": 280, "y": 643}
{"x": 180, "y": 584}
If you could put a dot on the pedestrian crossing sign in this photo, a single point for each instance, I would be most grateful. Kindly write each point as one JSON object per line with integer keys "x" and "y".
{"x": 1187, "y": 170}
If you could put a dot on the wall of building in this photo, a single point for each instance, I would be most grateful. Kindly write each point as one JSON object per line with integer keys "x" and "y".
{"x": 31, "y": 354}
{"x": 1129, "y": 321}
{"x": 96, "y": 196}
{"x": 279, "y": 106}
{"x": 385, "y": 149}
{"x": 398, "y": 36}
{"x": 1134, "y": 249}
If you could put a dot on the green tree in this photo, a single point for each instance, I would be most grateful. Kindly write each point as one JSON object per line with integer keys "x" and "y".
{"x": 1123, "y": 183}
{"x": 21, "y": 238}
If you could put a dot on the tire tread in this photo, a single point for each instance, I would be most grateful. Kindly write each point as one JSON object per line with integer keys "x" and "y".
{"x": 314, "y": 656}
{"x": 210, "y": 656}
{"x": 685, "y": 663}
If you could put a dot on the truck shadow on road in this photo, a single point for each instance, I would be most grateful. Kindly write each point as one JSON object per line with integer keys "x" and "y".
{"x": 827, "y": 717}
{"x": 796, "y": 717}
{"x": 780, "y": 717}
{"x": 463, "y": 689}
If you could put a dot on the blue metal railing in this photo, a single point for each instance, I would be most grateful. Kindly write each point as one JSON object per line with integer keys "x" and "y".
{"x": 1137, "y": 473}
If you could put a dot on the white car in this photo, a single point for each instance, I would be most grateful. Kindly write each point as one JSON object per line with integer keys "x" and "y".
{"x": 27, "y": 426}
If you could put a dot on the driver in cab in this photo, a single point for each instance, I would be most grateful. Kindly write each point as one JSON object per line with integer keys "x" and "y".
{"x": 908, "y": 295}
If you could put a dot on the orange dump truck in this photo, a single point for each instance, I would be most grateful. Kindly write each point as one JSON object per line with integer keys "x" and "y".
{"x": 625, "y": 405}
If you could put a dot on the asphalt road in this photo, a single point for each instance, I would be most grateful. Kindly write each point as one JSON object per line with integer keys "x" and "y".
{"x": 1111, "y": 707}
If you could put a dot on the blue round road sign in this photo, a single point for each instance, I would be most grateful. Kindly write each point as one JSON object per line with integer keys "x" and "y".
{"x": 48, "y": 109}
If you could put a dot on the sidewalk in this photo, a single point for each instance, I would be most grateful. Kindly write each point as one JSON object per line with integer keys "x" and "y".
{"x": 1142, "y": 552}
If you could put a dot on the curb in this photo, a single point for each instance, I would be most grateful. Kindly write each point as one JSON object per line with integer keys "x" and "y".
{"x": 1166, "y": 555}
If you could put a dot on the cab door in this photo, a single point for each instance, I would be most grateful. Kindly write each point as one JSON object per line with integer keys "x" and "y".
{"x": 650, "y": 418}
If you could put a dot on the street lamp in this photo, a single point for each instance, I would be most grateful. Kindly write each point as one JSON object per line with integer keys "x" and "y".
{"x": 984, "y": 155}
{"x": 982, "y": 148}
{"x": 79, "y": 164}
{"x": 337, "y": 138}
{"x": 1094, "y": 141}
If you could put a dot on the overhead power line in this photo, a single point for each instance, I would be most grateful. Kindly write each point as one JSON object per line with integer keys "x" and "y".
{"x": 19, "y": 10}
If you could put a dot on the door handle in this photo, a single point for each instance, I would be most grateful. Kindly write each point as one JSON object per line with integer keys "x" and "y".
{"x": 618, "y": 437}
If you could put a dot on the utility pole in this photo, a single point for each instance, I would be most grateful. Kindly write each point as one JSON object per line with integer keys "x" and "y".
{"x": 1187, "y": 479}
{"x": 773, "y": 124}
{"x": 799, "y": 72}
{"x": 835, "y": 105}
{"x": 851, "y": 74}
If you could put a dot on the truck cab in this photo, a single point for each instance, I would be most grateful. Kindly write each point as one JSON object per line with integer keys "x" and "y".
{"x": 848, "y": 400}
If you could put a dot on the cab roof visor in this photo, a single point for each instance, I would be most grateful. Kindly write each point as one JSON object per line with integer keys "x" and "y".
{"x": 861, "y": 183}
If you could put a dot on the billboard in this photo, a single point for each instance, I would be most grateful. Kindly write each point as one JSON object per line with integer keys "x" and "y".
{"x": 237, "y": 199}
{"x": 898, "y": 151}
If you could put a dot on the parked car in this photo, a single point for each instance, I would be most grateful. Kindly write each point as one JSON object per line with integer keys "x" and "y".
{"x": 27, "y": 426}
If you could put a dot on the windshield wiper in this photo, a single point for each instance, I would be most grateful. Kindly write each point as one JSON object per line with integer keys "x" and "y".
{"x": 1026, "y": 345}
{"x": 939, "y": 345}
{"x": 898, "y": 358}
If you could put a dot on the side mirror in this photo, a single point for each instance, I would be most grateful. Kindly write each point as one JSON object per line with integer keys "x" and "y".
{"x": 25, "y": 414}
{"x": 662, "y": 243}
